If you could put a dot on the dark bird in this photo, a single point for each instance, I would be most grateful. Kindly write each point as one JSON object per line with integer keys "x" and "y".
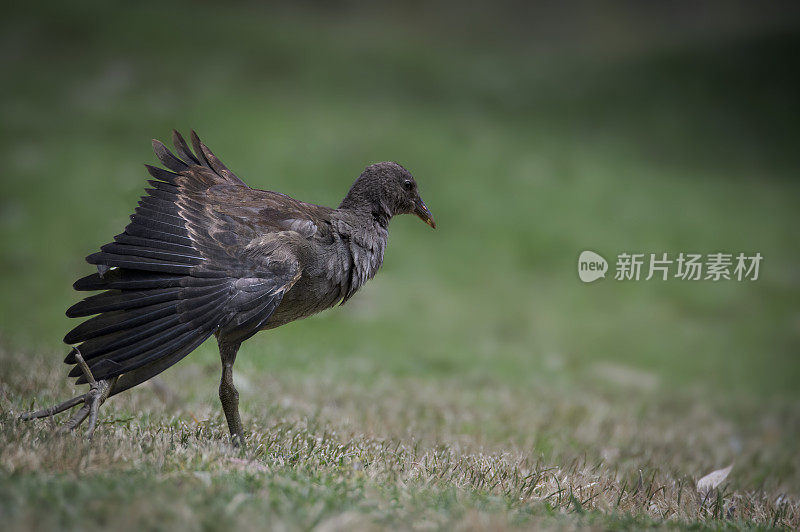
{"x": 205, "y": 255}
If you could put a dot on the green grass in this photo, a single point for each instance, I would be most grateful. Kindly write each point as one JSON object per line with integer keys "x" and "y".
{"x": 475, "y": 362}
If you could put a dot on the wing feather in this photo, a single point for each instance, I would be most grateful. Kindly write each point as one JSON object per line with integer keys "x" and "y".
{"x": 190, "y": 264}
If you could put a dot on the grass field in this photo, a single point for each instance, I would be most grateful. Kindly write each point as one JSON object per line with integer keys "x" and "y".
{"x": 476, "y": 382}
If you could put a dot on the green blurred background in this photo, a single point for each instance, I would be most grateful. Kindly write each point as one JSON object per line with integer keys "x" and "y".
{"x": 535, "y": 132}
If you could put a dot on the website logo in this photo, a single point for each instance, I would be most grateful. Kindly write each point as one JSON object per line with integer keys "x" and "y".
{"x": 591, "y": 266}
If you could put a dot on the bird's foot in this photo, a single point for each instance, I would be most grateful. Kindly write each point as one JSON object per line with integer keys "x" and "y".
{"x": 237, "y": 441}
{"x": 97, "y": 394}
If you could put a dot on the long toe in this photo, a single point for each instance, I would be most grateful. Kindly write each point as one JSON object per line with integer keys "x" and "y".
{"x": 76, "y": 419}
{"x": 55, "y": 409}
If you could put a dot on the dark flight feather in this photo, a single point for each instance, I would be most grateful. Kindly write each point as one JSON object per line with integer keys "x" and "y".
{"x": 153, "y": 252}
{"x": 138, "y": 263}
{"x": 153, "y": 244}
{"x": 159, "y": 216}
{"x": 127, "y": 279}
{"x": 110, "y": 322}
{"x": 167, "y": 159}
{"x": 140, "y": 230}
{"x": 183, "y": 149}
{"x": 159, "y": 205}
{"x": 210, "y": 160}
{"x": 149, "y": 370}
{"x": 160, "y": 173}
{"x": 164, "y": 188}
{"x": 121, "y": 299}
{"x": 102, "y": 344}
{"x": 106, "y": 368}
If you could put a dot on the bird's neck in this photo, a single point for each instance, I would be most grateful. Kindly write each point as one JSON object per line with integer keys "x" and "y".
{"x": 365, "y": 225}
{"x": 364, "y": 200}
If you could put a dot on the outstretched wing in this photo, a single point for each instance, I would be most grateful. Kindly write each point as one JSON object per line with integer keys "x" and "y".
{"x": 187, "y": 266}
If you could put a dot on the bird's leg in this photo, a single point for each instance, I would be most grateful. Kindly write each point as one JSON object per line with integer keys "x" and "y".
{"x": 97, "y": 394}
{"x": 228, "y": 393}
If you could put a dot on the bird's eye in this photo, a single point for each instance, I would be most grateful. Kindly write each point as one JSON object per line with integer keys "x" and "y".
{"x": 408, "y": 184}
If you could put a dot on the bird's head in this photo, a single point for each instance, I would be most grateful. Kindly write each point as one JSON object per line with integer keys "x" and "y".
{"x": 392, "y": 189}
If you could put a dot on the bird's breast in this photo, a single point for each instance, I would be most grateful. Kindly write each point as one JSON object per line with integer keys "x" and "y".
{"x": 339, "y": 268}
